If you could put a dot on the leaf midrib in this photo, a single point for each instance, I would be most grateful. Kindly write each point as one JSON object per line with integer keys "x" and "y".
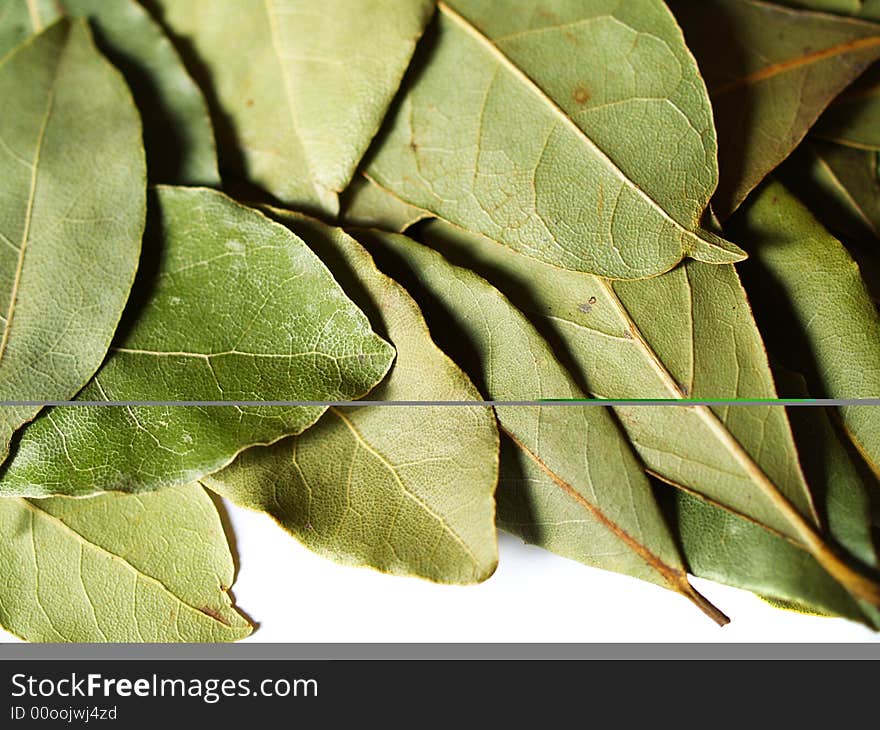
{"x": 275, "y": 35}
{"x": 845, "y": 191}
{"x": 706, "y": 414}
{"x": 34, "y": 13}
{"x": 670, "y": 574}
{"x": 444, "y": 524}
{"x": 495, "y": 51}
{"x": 38, "y": 512}
{"x": 780, "y": 67}
{"x": 29, "y": 212}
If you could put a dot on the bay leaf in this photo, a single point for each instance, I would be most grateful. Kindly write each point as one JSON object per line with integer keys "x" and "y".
{"x": 407, "y": 490}
{"x": 367, "y": 205}
{"x": 854, "y": 117}
{"x": 71, "y": 216}
{"x": 728, "y": 548}
{"x": 177, "y": 131}
{"x": 229, "y": 306}
{"x": 840, "y": 185}
{"x": 298, "y": 90}
{"x": 121, "y": 568}
{"x": 771, "y": 71}
{"x": 824, "y": 309}
{"x": 528, "y": 122}
{"x": 569, "y": 480}
{"x": 686, "y": 334}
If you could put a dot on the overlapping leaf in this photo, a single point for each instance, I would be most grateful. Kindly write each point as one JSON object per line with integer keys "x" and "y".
{"x": 841, "y": 186}
{"x": 771, "y": 71}
{"x": 298, "y": 89}
{"x": 832, "y": 322}
{"x": 72, "y": 198}
{"x": 728, "y": 548}
{"x": 230, "y": 306}
{"x": 177, "y": 129}
{"x": 529, "y": 123}
{"x": 688, "y": 333}
{"x": 407, "y": 490}
{"x": 121, "y": 568}
{"x": 854, "y": 117}
{"x": 569, "y": 480}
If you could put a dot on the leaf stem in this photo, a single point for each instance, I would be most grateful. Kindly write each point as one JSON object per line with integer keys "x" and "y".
{"x": 675, "y": 578}
{"x": 703, "y": 603}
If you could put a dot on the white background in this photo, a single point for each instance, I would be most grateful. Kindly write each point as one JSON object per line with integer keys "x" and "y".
{"x": 296, "y": 596}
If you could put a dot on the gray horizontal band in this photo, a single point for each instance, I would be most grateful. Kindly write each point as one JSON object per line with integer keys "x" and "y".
{"x": 362, "y": 651}
{"x": 448, "y": 403}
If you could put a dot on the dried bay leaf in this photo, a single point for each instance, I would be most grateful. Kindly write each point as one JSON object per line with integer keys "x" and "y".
{"x": 840, "y": 185}
{"x": 721, "y": 546}
{"x": 121, "y": 568}
{"x": 771, "y": 71}
{"x": 177, "y": 129}
{"x": 276, "y": 68}
{"x": 406, "y": 490}
{"x": 569, "y": 480}
{"x": 71, "y": 216}
{"x": 660, "y": 338}
{"x": 527, "y": 122}
{"x": 688, "y": 333}
{"x": 229, "y": 306}
{"x": 854, "y": 117}
{"x": 822, "y": 307}
{"x": 729, "y": 548}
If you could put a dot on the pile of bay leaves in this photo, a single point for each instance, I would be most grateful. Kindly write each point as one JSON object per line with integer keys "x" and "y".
{"x": 210, "y": 206}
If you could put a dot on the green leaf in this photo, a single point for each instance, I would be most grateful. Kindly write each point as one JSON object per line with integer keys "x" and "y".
{"x": 368, "y": 205}
{"x": 406, "y": 490}
{"x": 72, "y": 199}
{"x": 297, "y": 92}
{"x": 229, "y": 306}
{"x": 120, "y": 568}
{"x": 841, "y": 185}
{"x": 686, "y": 334}
{"x": 824, "y": 308}
{"x": 569, "y": 480}
{"x": 730, "y": 549}
{"x": 528, "y": 123}
{"x": 177, "y": 129}
{"x": 854, "y": 117}
{"x": 771, "y": 71}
